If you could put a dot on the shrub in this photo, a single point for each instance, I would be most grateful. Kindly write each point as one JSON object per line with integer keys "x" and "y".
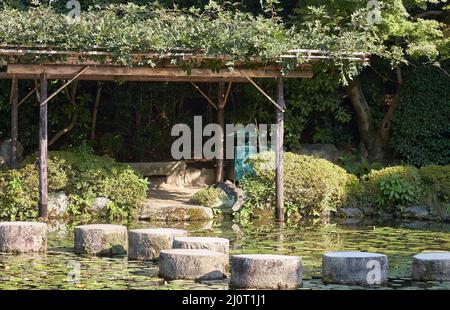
{"x": 392, "y": 187}
{"x": 438, "y": 178}
{"x": 82, "y": 176}
{"x": 208, "y": 197}
{"x": 311, "y": 185}
{"x": 19, "y": 193}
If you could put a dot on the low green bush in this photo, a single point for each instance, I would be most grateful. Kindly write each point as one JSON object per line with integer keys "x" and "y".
{"x": 208, "y": 197}
{"x": 393, "y": 187}
{"x": 438, "y": 178}
{"x": 82, "y": 176}
{"x": 312, "y": 185}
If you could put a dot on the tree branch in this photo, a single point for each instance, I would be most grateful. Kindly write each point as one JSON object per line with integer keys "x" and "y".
{"x": 95, "y": 112}
{"x": 428, "y": 14}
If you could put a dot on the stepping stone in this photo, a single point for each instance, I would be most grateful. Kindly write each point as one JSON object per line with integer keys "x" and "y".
{"x": 262, "y": 271}
{"x": 23, "y": 237}
{"x": 433, "y": 266}
{"x": 354, "y": 268}
{"x": 192, "y": 264}
{"x": 146, "y": 244}
{"x": 221, "y": 245}
{"x": 101, "y": 240}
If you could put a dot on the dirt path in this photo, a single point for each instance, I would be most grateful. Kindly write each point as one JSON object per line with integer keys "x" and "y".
{"x": 163, "y": 194}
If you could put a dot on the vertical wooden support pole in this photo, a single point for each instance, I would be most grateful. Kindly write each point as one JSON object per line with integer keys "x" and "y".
{"x": 221, "y": 122}
{"x": 43, "y": 152}
{"x": 279, "y": 154}
{"x": 14, "y": 120}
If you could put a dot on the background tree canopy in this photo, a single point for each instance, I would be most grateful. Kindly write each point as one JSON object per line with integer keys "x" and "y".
{"x": 374, "y": 110}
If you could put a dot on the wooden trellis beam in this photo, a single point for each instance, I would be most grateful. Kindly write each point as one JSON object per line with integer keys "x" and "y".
{"x": 204, "y": 95}
{"x": 265, "y": 94}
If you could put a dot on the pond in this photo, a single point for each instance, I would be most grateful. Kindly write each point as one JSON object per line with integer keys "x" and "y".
{"x": 58, "y": 268}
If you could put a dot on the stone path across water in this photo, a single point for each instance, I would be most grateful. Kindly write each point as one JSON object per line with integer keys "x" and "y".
{"x": 101, "y": 240}
{"x": 192, "y": 264}
{"x": 23, "y": 237}
{"x": 355, "y": 268}
{"x": 206, "y": 258}
{"x": 221, "y": 245}
{"x": 433, "y": 266}
{"x": 262, "y": 271}
{"x": 146, "y": 244}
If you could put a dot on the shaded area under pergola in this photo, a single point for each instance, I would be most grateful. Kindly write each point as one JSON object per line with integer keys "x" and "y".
{"x": 44, "y": 63}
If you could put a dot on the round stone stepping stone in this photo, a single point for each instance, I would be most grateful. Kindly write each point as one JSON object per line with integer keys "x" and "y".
{"x": 101, "y": 239}
{"x": 23, "y": 237}
{"x": 354, "y": 268}
{"x": 433, "y": 266}
{"x": 221, "y": 245}
{"x": 192, "y": 264}
{"x": 262, "y": 271}
{"x": 146, "y": 244}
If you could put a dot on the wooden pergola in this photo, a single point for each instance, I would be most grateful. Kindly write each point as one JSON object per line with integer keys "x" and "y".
{"x": 53, "y": 64}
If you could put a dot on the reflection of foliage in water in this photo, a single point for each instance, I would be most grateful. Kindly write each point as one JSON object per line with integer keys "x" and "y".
{"x": 308, "y": 240}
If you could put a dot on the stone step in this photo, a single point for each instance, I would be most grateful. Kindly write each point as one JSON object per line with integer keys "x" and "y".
{"x": 354, "y": 268}
{"x": 263, "y": 271}
{"x": 23, "y": 237}
{"x": 101, "y": 240}
{"x": 221, "y": 245}
{"x": 152, "y": 211}
{"x": 192, "y": 264}
{"x": 146, "y": 244}
{"x": 432, "y": 266}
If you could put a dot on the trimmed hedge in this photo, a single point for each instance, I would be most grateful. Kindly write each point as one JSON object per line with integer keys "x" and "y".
{"x": 312, "y": 185}
{"x": 393, "y": 186}
{"x": 402, "y": 186}
{"x": 83, "y": 177}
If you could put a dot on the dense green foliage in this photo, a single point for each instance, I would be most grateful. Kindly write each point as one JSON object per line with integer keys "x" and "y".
{"x": 82, "y": 176}
{"x": 438, "y": 178}
{"x": 393, "y": 187}
{"x": 312, "y": 186}
{"x": 124, "y": 29}
{"x": 421, "y": 132}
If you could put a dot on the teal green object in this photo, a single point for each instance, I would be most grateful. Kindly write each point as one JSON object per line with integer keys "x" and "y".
{"x": 242, "y": 152}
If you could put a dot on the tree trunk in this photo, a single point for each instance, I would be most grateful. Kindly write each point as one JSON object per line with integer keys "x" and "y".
{"x": 364, "y": 120}
{"x": 382, "y": 147}
{"x": 375, "y": 140}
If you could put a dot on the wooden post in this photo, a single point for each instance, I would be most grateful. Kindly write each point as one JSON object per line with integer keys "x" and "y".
{"x": 221, "y": 122}
{"x": 43, "y": 152}
{"x": 279, "y": 204}
{"x": 14, "y": 120}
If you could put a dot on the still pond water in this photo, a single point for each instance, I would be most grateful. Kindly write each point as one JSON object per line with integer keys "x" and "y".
{"x": 399, "y": 241}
